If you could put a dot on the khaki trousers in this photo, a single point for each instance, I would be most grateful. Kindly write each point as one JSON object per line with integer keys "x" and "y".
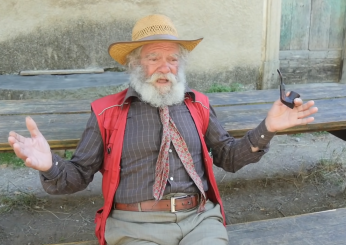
{"x": 166, "y": 228}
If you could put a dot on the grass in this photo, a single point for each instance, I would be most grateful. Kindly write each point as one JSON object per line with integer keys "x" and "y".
{"x": 331, "y": 169}
{"x": 320, "y": 133}
{"x": 68, "y": 154}
{"x": 10, "y": 159}
{"x": 218, "y": 88}
{"x": 20, "y": 200}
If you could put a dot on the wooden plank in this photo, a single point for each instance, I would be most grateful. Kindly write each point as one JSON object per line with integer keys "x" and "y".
{"x": 327, "y": 70}
{"x": 61, "y": 72}
{"x": 237, "y": 120}
{"x": 301, "y": 11}
{"x": 62, "y": 122}
{"x": 78, "y": 243}
{"x": 286, "y": 23}
{"x": 326, "y": 54}
{"x": 306, "y": 54}
{"x": 64, "y": 130}
{"x": 336, "y": 32}
{"x": 311, "y": 70}
{"x": 320, "y": 24}
{"x": 37, "y": 107}
{"x": 293, "y": 54}
{"x": 270, "y": 95}
{"x": 321, "y": 228}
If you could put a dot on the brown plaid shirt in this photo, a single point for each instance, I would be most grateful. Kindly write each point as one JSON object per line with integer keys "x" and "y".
{"x": 142, "y": 141}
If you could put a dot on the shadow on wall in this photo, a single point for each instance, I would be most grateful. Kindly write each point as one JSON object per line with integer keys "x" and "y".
{"x": 78, "y": 45}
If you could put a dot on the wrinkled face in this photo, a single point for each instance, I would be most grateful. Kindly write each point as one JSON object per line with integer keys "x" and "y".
{"x": 157, "y": 73}
{"x": 160, "y": 58}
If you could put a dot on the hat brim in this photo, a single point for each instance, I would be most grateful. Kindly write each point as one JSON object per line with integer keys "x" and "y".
{"x": 118, "y": 51}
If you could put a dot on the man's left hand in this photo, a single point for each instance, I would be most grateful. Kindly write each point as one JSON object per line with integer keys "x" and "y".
{"x": 281, "y": 117}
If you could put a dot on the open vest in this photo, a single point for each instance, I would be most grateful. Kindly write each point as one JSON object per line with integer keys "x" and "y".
{"x": 111, "y": 112}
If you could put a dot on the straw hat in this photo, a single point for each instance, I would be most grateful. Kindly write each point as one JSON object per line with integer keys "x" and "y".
{"x": 150, "y": 29}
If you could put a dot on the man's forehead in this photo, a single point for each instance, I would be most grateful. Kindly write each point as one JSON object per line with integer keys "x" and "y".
{"x": 160, "y": 47}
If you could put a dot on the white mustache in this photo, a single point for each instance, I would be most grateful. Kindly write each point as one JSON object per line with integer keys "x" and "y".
{"x": 169, "y": 76}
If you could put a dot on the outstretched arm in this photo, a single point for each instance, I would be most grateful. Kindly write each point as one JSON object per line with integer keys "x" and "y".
{"x": 34, "y": 151}
{"x": 58, "y": 175}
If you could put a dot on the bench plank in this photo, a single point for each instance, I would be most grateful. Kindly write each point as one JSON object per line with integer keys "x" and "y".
{"x": 216, "y": 100}
{"x": 321, "y": 228}
{"x": 63, "y": 121}
{"x": 62, "y": 131}
{"x": 37, "y": 107}
{"x": 78, "y": 243}
{"x": 271, "y": 95}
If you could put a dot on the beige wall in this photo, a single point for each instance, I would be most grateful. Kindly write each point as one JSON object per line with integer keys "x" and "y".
{"x": 73, "y": 34}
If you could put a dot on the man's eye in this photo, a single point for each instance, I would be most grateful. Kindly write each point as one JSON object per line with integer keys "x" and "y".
{"x": 153, "y": 59}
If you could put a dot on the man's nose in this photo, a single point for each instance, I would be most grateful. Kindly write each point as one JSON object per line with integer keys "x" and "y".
{"x": 164, "y": 67}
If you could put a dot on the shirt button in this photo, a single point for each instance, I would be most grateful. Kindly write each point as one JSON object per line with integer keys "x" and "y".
{"x": 170, "y": 150}
{"x": 171, "y": 178}
{"x": 262, "y": 136}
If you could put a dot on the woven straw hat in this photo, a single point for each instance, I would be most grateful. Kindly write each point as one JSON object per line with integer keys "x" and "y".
{"x": 150, "y": 29}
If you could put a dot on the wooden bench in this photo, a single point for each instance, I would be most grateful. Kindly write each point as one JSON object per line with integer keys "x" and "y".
{"x": 321, "y": 228}
{"x": 62, "y": 122}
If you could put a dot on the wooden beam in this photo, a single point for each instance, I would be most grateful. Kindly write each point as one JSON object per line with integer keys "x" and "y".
{"x": 61, "y": 72}
{"x": 326, "y": 227}
{"x": 78, "y": 243}
{"x": 343, "y": 61}
{"x": 271, "y": 62}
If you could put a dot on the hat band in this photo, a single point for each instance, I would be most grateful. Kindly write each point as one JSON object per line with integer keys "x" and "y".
{"x": 155, "y": 37}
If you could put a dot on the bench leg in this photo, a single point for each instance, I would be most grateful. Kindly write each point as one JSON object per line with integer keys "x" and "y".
{"x": 339, "y": 133}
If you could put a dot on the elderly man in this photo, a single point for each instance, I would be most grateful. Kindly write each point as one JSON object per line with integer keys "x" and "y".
{"x": 151, "y": 144}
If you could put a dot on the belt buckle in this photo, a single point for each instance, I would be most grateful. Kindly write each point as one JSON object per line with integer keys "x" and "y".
{"x": 173, "y": 202}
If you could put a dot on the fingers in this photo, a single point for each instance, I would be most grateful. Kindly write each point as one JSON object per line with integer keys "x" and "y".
{"x": 298, "y": 102}
{"x": 29, "y": 163}
{"x": 20, "y": 151}
{"x": 32, "y": 127}
{"x": 13, "y": 137}
{"x": 305, "y": 121}
{"x": 306, "y": 106}
{"x": 307, "y": 110}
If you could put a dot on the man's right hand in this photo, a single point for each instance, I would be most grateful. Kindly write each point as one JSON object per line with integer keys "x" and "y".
{"x": 34, "y": 151}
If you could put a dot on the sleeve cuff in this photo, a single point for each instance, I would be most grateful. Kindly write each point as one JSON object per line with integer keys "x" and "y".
{"x": 53, "y": 172}
{"x": 260, "y": 136}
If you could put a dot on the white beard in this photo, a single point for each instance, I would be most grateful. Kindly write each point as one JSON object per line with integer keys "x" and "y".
{"x": 171, "y": 94}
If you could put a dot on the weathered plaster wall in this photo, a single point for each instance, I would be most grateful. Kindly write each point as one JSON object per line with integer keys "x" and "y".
{"x": 71, "y": 34}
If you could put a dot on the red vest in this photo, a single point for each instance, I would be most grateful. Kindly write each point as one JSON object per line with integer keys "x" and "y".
{"x": 111, "y": 112}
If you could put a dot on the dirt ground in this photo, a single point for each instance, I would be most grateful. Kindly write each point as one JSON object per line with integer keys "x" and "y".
{"x": 301, "y": 174}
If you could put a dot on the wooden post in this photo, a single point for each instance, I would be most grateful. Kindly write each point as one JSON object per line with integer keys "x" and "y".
{"x": 343, "y": 59}
{"x": 271, "y": 43}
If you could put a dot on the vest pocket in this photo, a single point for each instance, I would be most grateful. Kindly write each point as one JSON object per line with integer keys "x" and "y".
{"x": 98, "y": 217}
{"x": 107, "y": 157}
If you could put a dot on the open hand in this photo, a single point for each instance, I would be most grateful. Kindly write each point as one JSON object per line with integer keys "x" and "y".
{"x": 281, "y": 117}
{"x": 34, "y": 151}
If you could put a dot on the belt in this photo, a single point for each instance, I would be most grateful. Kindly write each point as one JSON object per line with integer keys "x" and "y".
{"x": 173, "y": 205}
